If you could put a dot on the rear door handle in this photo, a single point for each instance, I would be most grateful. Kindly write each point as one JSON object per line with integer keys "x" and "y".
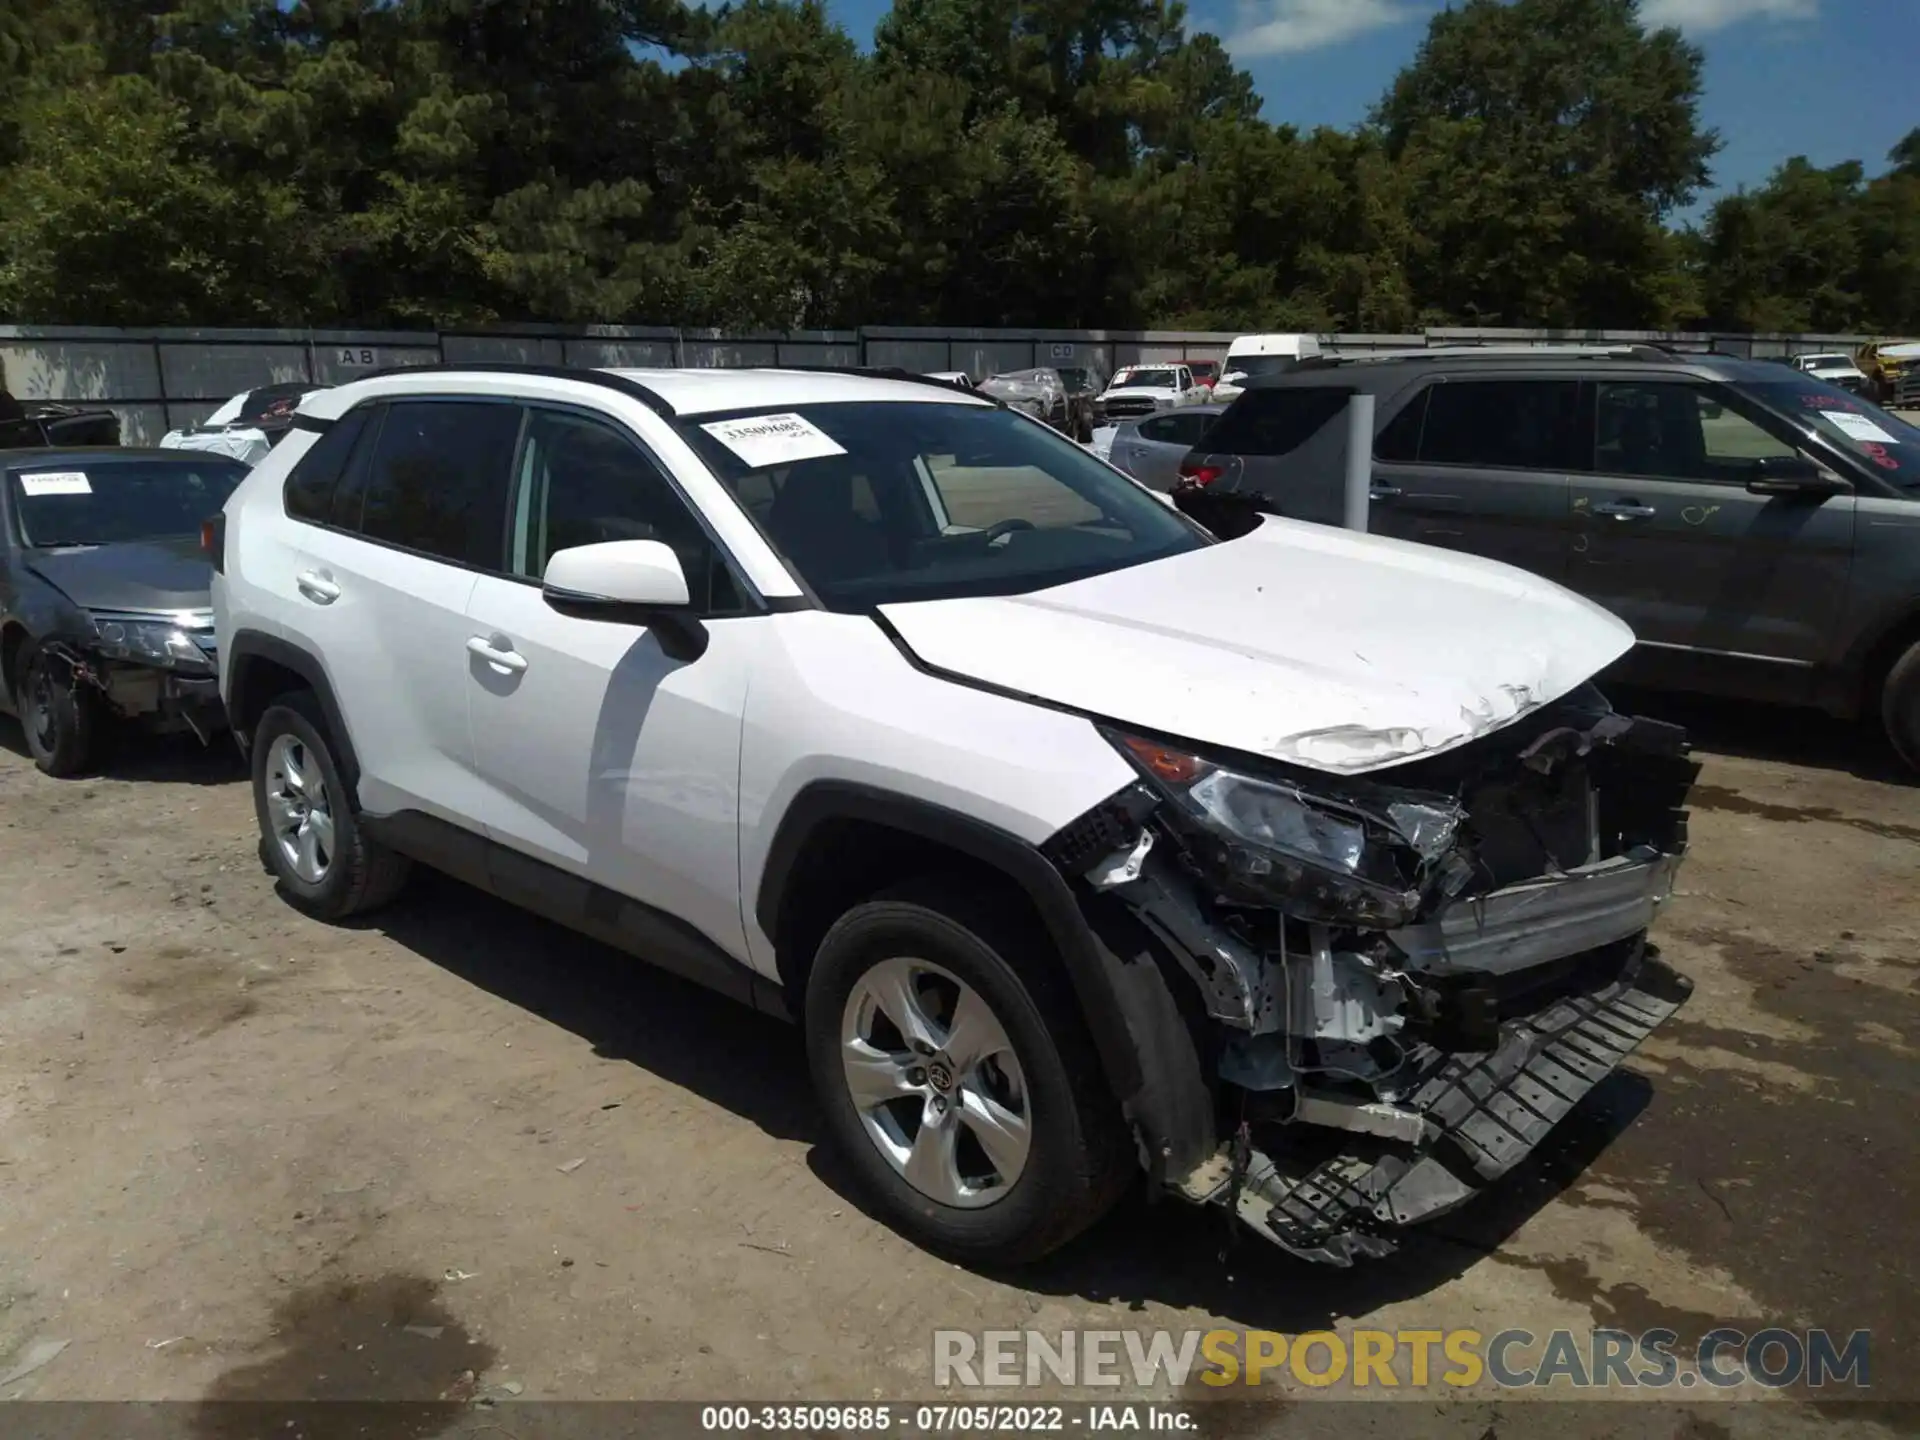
{"x": 1626, "y": 510}
{"x": 317, "y": 587}
{"x": 1385, "y": 492}
{"x": 508, "y": 659}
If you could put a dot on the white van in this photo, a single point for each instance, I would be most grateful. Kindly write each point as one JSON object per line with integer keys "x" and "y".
{"x": 1261, "y": 355}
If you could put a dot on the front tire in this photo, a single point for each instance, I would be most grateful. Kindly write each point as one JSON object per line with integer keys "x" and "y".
{"x": 63, "y": 723}
{"x": 310, "y": 835}
{"x": 957, "y": 1076}
{"x": 1900, "y": 706}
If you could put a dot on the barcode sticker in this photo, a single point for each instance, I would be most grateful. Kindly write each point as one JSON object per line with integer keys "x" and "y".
{"x": 56, "y": 482}
{"x": 774, "y": 439}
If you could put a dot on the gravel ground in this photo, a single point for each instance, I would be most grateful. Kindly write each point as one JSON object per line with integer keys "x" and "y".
{"x": 458, "y": 1152}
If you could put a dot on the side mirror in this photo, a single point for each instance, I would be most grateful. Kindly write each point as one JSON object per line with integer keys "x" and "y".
{"x": 1793, "y": 476}
{"x": 628, "y": 582}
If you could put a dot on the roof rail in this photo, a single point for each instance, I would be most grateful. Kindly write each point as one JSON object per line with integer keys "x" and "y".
{"x": 1492, "y": 352}
{"x": 633, "y": 389}
{"x": 882, "y": 372}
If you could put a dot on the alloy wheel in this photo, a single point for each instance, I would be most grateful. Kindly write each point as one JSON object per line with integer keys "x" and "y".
{"x": 936, "y": 1083}
{"x": 299, "y": 810}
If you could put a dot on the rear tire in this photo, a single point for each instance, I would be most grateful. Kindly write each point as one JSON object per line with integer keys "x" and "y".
{"x": 953, "y": 946}
{"x": 64, "y": 723}
{"x": 310, "y": 834}
{"x": 1900, "y": 706}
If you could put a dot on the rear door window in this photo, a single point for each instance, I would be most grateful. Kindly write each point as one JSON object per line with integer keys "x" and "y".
{"x": 1275, "y": 422}
{"x": 437, "y": 481}
{"x": 1511, "y": 424}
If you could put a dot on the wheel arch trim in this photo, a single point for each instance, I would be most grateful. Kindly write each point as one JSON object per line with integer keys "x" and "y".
{"x": 244, "y": 648}
{"x": 824, "y": 801}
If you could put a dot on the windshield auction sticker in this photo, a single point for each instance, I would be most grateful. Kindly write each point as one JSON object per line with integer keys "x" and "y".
{"x": 1858, "y": 427}
{"x": 764, "y": 440}
{"x": 56, "y": 482}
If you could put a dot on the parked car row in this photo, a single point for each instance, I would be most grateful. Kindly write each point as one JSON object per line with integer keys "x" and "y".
{"x": 1758, "y": 528}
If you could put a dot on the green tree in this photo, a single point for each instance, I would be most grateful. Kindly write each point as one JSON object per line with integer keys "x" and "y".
{"x": 1545, "y": 143}
{"x": 1787, "y": 256}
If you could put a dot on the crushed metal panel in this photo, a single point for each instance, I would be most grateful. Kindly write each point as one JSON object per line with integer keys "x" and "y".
{"x": 1541, "y": 920}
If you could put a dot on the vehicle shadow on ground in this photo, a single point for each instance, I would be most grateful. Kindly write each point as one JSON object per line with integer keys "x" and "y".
{"x": 171, "y": 759}
{"x": 1147, "y": 1252}
{"x": 1160, "y": 1251}
{"x": 625, "y": 1008}
{"x": 1779, "y": 733}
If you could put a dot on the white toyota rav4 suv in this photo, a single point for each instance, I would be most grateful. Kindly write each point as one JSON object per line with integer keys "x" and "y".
{"x": 1305, "y": 872}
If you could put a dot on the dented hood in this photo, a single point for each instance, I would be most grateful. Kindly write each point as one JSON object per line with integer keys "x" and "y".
{"x": 1312, "y": 645}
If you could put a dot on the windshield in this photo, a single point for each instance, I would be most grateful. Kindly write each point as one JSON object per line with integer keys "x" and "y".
{"x": 109, "y": 500}
{"x": 1826, "y": 362}
{"x": 1843, "y": 419}
{"x": 1251, "y": 365}
{"x": 1079, "y": 380}
{"x": 1146, "y": 379}
{"x": 874, "y": 502}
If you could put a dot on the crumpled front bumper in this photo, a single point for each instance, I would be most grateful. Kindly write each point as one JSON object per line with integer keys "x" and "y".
{"x": 1479, "y": 1115}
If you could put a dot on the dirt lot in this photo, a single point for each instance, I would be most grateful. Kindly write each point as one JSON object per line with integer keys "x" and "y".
{"x": 460, "y": 1152}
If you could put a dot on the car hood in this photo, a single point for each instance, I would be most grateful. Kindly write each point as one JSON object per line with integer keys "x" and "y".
{"x": 1315, "y": 646}
{"x": 1151, "y": 392}
{"x": 170, "y": 574}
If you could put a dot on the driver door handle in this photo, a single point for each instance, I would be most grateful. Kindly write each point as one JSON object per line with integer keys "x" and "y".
{"x": 317, "y": 587}
{"x": 508, "y": 659}
{"x": 1384, "y": 492}
{"x": 1626, "y": 510}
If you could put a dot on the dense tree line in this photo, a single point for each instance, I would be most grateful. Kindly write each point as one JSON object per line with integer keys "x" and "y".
{"x": 987, "y": 162}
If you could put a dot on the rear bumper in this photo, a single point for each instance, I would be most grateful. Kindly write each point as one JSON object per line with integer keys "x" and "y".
{"x": 1476, "y": 1116}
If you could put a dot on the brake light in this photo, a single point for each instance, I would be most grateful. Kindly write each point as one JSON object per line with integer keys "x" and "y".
{"x": 1196, "y": 472}
{"x": 213, "y": 541}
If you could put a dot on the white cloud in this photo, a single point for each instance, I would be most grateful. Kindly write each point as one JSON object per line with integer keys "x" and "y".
{"x": 1288, "y": 27}
{"x": 1700, "y": 16}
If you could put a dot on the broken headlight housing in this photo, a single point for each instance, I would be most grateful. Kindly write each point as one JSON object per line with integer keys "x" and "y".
{"x": 170, "y": 642}
{"x": 1364, "y": 856}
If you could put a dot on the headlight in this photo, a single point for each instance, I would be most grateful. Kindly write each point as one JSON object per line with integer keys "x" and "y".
{"x": 153, "y": 640}
{"x": 1359, "y": 859}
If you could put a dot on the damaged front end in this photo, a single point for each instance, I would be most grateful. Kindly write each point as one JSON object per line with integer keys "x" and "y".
{"x": 1397, "y": 988}
{"x": 157, "y": 670}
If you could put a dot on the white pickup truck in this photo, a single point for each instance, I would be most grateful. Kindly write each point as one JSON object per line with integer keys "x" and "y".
{"x": 1137, "y": 390}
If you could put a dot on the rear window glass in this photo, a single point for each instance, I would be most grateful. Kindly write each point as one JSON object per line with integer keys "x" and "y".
{"x": 1251, "y": 365}
{"x": 1275, "y": 422}
{"x": 1523, "y": 424}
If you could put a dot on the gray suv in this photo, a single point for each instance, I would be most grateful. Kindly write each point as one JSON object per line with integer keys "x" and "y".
{"x": 1759, "y": 529}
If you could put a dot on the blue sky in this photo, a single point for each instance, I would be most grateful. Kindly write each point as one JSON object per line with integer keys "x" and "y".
{"x": 1830, "y": 79}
